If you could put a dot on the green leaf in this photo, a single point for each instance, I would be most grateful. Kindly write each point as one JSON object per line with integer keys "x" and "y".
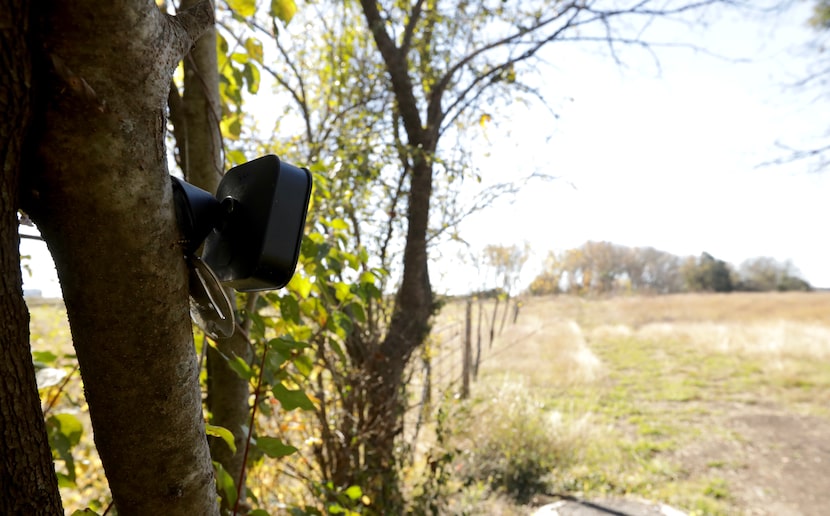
{"x": 65, "y": 481}
{"x": 67, "y": 425}
{"x": 231, "y": 126}
{"x": 240, "y": 367}
{"x": 222, "y": 433}
{"x": 64, "y": 432}
{"x": 286, "y": 344}
{"x": 258, "y": 324}
{"x": 334, "y": 345}
{"x": 221, "y": 45}
{"x": 341, "y": 324}
{"x": 341, "y": 291}
{"x": 291, "y": 399}
{"x": 356, "y": 311}
{"x": 290, "y": 309}
{"x": 44, "y": 357}
{"x": 323, "y": 251}
{"x": 283, "y": 9}
{"x": 301, "y": 285}
{"x": 353, "y": 492}
{"x": 274, "y": 448}
{"x": 84, "y": 512}
{"x": 308, "y": 248}
{"x": 254, "y": 48}
{"x": 244, "y": 8}
{"x": 338, "y": 224}
{"x": 304, "y": 364}
{"x": 235, "y": 157}
{"x": 251, "y": 74}
{"x": 258, "y": 512}
{"x": 301, "y": 333}
{"x": 225, "y": 483}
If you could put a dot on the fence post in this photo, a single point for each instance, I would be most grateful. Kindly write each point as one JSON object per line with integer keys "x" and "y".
{"x": 468, "y": 351}
{"x": 478, "y": 340}
{"x": 493, "y": 321}
{"x": 504, "y": 314}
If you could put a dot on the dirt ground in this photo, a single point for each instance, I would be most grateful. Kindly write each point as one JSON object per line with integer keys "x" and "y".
{"x": 773, "y": 462}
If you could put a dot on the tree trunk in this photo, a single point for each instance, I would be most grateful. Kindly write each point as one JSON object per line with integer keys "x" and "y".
{"x": 408, "y": 329}
{"x": 28, "y": 484}
{"x": 409, "y": 325}
{"x": 200, "y": 153}
{"x": 100, "y": 192}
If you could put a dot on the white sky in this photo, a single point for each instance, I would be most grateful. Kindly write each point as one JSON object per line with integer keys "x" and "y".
{"x": 669, "y": 158}
{"x": 665, "y": 158}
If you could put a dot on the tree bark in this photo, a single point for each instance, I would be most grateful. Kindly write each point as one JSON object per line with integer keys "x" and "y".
{"x": 28, "y": 484}
{"x": 99, "y": 190}
{"x": 203, "y": 166}
{"x": 414, "y": 304}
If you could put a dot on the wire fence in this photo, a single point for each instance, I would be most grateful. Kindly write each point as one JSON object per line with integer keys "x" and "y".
{"x": 463, "y": 336}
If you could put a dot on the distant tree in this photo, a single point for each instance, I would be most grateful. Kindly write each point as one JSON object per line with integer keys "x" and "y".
{"x": 765, "y": 274}
{"x": 707, "y": 274}
{"x": 506, "y": 263}
{"x": 661, "y": 271}
{"x": 549, "y": 281}
{"x": 605, "y": 261}
{"x": 792, "y": 283}
{"x": 601, "y": 267}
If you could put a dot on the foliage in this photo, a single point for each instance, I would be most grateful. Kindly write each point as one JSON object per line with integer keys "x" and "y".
{"x": 516, "y": 447}
{"x": 603, "y": 268}
{"x": 707, "y": 274}
{"x": 507, "y": 263}
{"x": 765, "y": 274}
{"x": 431, "y": 495}
{"x": 821, "y": 15}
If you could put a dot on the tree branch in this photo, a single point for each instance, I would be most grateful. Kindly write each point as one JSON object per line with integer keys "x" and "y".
{"x": 397, "y": 66}
{"x": 189, "y": 25}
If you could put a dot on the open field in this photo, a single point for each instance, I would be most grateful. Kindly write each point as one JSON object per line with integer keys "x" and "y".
{"x": 713, "y": 404}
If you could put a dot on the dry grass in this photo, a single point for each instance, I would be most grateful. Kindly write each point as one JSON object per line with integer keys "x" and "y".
{"x": 807, "y": 307}
{"x": 640, "y": 378}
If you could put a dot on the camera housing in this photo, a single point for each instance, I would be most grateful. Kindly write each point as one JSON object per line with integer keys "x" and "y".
{"x": 252, "y": 229}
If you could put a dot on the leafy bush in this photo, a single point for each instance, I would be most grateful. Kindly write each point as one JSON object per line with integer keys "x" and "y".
{"x": 515, "y": 444}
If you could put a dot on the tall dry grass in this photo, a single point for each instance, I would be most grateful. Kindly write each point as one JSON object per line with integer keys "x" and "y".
{"x": 621, "y": 384}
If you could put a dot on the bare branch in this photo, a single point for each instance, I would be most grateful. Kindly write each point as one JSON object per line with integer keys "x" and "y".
{"x": 409, "y": 30}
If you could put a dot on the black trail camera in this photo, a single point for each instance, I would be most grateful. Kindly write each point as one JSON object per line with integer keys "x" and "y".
{"x": 252, "y": 229}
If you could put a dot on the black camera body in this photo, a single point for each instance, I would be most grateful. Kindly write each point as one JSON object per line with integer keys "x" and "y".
{"x": 252, "y": 229}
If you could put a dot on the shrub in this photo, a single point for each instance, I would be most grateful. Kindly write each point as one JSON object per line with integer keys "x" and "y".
{"x": 515, "y": 444}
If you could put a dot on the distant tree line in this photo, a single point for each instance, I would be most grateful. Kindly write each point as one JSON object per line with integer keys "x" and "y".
{"x": 604, "y": 267}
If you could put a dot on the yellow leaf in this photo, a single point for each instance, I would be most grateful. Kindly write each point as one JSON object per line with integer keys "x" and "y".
{"x": 484, "y": 119}
{"x": 244, "y": 8}
{"x": 283, "y": 9}
{"x": 300, "y": 285}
